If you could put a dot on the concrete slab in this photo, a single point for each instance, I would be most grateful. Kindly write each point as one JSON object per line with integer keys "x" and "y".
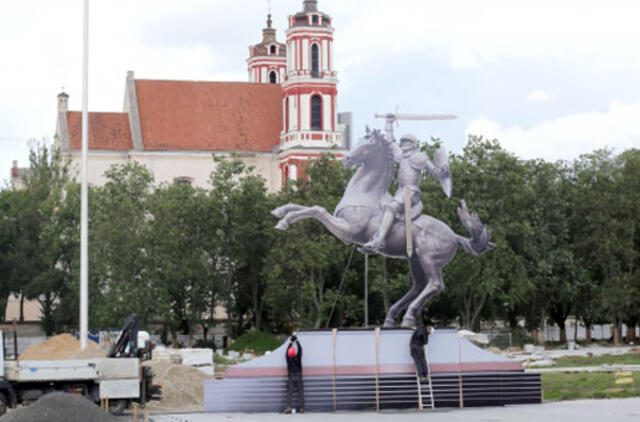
{"x": 619, "y": 410}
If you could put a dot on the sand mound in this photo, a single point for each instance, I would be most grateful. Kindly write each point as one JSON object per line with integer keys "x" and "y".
{"x": 182, "y": 386}
{"x": 63, "y": 346}
{"x": 61, "y": 407}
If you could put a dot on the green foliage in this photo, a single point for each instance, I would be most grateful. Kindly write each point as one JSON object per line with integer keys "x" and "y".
{"x": 38, "y": 233}
{"x": 222, "y": 360}
{"x": 240, "y": 239}
{"x": 567, "y": 242}
{"x": 306, "y": 263}
{"x": 576, "y": 386}
{"x": 255, "y": 341}
{"x": 119, "y": 256}
{"x": 181, "y": 273}
{"x": 632, "y": 358}
{"x": 202, "y": 343}
{"x": 8, "y": 237}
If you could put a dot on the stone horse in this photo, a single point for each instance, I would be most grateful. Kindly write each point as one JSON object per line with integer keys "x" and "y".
{"x": 357, "y": 216}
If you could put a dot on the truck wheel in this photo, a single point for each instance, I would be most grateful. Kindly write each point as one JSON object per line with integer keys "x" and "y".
{"x": 3, "y": 404}
{"x": 117, "y": 406}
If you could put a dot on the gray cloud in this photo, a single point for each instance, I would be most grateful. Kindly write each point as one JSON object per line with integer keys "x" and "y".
{"x": 480, "y": 61}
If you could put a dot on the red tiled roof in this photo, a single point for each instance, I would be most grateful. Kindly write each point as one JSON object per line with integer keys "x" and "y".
{"x": 107, "y": 131}
{"x": 213, "y": 116}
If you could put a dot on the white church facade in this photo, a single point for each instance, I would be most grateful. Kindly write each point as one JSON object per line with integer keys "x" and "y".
{"x": 283, "y": 117}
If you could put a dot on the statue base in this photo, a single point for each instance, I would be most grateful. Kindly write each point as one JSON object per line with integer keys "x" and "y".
{"x": 372, "y": 369}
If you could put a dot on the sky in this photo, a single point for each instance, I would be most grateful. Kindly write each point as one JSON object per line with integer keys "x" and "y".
{"x": 548, "y": 79}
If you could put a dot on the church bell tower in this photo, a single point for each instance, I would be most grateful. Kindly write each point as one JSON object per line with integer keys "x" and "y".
{"x": 310, "y": 125}
{"x": 267, "y": 61}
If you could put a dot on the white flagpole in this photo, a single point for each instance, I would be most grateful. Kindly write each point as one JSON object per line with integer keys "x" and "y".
{"x": 84, "y": 201}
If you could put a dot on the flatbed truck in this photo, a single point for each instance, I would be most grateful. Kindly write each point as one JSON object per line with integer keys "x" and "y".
{"x": 118, "y": 380}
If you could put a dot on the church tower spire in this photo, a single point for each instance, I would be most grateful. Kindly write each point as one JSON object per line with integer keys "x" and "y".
{"x": 267, "y": 62}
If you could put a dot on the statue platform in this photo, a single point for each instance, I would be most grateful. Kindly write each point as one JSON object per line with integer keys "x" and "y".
{"x": 372, "y": 369}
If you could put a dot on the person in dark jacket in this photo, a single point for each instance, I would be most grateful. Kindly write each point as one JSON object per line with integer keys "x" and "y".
{"x": 293, "y": 355}
{"x": 419, "y": 339}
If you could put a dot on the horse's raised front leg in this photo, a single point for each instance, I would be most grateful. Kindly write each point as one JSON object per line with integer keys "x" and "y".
{"x": 283, "y": 210}
{"x": 339, "y": 227}
{"x": 419, "y": 281}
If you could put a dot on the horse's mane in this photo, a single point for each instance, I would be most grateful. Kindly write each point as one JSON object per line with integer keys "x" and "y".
{"x": 353, "y": 194}
{"x": 388, "y": 152}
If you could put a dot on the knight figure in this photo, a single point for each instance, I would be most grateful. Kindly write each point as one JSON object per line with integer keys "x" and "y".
{"x": 406, "y": 202}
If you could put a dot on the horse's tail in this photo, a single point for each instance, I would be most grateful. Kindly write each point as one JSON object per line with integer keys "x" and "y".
{"x": 480, "y": 240}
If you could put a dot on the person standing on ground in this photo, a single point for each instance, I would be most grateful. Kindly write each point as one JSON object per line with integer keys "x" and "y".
{"x": 418, "y": 341}
{"x": 293, "y": 355}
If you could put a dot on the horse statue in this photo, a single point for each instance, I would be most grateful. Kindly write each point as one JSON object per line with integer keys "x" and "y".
{"x": 358, "y": 215}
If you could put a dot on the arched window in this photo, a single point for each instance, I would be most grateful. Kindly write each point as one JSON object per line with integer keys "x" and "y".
{"x": 181, "y": 181}
{"x": 272, "y": 49}
{"x": 273, "y": 77}
{"x": 315, "y": 61}
{"x": 316, "y": 112}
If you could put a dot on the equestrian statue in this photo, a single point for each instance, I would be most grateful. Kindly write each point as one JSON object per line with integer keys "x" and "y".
{"x": 394, "y": 226}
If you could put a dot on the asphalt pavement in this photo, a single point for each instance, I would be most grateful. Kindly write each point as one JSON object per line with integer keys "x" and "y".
{"x": 618, "y": 410}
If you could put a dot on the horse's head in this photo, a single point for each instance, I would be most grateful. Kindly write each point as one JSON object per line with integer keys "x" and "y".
{"x": 368, "y": 147}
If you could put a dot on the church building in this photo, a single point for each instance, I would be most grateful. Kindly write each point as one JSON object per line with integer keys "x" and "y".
{"x": 283, "y": 117}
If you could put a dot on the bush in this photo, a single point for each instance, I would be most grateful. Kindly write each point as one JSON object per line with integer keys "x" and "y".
{"x": 221, "y": 360}
{"x": 254, "y": 341}
{"x": 205, "y": 344}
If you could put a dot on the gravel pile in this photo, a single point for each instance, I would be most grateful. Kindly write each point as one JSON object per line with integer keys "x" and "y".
{"x": 63, "y": 346}
{"x": 59, "y": 407}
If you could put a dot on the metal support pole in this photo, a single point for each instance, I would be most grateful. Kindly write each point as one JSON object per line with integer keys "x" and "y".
{"x": 84, "y": 201}
{"x": 366, "y": 290}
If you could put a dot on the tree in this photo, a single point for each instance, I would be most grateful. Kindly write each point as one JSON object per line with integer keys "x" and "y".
{"x": 179, "y": 268}
{"x": 307, "y": 263}
{"x": 629, "y": 201}
{"x": 8, "y": 282}
{"x": 242, "y": 236}
{"x": 604, "y": 234}
{"x": 42, "y": 248}
{"x": 550, "y": 260}
{"x": 491, "y": 181}
{"x": 119, "y": 232}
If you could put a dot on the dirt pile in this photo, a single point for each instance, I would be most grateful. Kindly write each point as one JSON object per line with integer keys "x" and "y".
{"x": 63, "y": 346}
{"x": 60, "y": 407}
{"x": 182, "y": 386}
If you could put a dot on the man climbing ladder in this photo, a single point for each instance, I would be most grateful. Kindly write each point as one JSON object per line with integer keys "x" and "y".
{"x": 418, "y": 341}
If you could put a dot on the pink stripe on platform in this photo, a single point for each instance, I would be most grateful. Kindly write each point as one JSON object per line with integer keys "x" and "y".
{"x": 371, "y": 369}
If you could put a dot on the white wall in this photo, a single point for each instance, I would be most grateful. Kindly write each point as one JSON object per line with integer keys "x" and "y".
{"x": 326, "y": 112}
{"x": 305, "y": 108}
{"x": 166, "y": 166}
{"x": 325, "y": 61}
{"x": 305, "y": 54}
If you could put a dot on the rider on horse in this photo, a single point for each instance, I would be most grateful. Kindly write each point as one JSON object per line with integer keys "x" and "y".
{"x": 412, "y": 163}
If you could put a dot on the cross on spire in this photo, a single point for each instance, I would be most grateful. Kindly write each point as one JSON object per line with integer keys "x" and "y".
{"x": 269, "y": 21}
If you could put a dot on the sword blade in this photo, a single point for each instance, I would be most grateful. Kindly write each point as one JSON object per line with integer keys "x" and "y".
{"x": 405, "y": 116}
